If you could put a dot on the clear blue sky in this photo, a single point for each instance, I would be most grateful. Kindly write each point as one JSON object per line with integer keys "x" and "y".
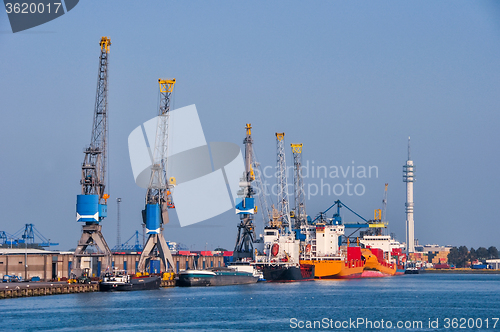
{"x": 350, "y": 80}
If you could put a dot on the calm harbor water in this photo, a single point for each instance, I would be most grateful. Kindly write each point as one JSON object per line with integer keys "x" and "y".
{"x": 272, "y": 307}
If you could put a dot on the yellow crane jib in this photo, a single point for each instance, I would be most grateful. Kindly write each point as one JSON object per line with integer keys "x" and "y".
{"x": 377, "y": 225}
{"x": 377, "y": 214}
{"x": 280, "y": 136}
{"x": 296, "y": 147}
{"x": 249, "y": 128}
{"x": 105, "y": 43}
{"x": 166, "y": 84}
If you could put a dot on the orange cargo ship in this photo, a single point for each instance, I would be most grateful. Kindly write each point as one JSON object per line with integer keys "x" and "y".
{"x": 382, "y": 254}
{"x": 323, "y": 252}
{"x": 372, "y": 263}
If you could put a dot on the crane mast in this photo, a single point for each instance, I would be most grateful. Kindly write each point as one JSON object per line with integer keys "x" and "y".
{"x": 94, "y": 166}
{"x": 300, "y": 202}
{"x": 283, "y": 206}
{"x": 384, "y": 206}
{"x": 246, "y": 206}
{"x": 158, "y": 196}
{"x": 91, "y": 206}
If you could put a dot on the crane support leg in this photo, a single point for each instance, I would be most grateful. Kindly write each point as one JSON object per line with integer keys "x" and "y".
{"x": 158, "y": 241}
{"x": 245, "y": 240}
{"x": 91, "y": 236}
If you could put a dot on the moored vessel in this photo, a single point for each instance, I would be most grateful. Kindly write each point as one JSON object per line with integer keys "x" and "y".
{"x": 323, "y": 251}
{"x": 120, "y": 281}
{"x": 279, "y": 260}
{"x": 411, "y": 268}
{"x": 233, "y": 275}
{"x": 382, "y": 254}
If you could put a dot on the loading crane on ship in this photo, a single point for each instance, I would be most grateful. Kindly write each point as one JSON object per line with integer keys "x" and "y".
{"x": 337, "y": 220}
{"x": 379, "y": 222}
{"x": 158, "y": 196}
{"x": 91, "y": 204}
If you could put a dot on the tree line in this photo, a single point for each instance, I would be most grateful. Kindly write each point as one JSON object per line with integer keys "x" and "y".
{"x": 461, "y": 256}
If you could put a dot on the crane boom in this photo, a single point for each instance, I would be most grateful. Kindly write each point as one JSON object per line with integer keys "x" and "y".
{"x": 264, "y": 206}
{"x": 94, "y": 165}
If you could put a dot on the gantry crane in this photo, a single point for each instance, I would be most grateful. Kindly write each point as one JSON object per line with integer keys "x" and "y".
{"x": 245, "y": 206}
{"x": 91, "y": 204}
{"x": 158, "y": 197}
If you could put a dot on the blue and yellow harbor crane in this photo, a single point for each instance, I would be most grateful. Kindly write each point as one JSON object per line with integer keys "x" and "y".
{"x": 245, "y": 206}
{"x": 91, "y": 204}
{"x": 158, "y": 197}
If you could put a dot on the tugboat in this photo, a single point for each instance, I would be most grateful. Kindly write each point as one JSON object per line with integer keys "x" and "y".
{"x": 411, "y": 268}
{"x": 121, "y": 281}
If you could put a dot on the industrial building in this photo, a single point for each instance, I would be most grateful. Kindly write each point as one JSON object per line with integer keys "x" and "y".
{"x": 52, "y": 265}
{"x": 494, "y": 263}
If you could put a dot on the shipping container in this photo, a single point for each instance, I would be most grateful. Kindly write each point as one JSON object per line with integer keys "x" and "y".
{"x": 379, "y": 253}
{"x": 353, "y": 253}
{"x": 441, "y": 266}
{"x": 479, "y": 266}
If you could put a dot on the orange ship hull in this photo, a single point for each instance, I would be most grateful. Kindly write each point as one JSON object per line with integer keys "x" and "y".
{"x": 352, "y": 269}
{"x": 336, "y": 269}
{"x": 373, "y": 264}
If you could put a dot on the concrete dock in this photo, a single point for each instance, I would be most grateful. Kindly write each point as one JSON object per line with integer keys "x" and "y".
{"x": 24, "y": 289}
{"x": 460, "y": 271}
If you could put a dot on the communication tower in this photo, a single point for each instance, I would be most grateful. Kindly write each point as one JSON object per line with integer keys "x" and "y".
{"x": 408, "y": 177}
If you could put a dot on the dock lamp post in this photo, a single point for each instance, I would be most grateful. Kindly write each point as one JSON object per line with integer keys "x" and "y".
{"x": 25, "y": 259}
